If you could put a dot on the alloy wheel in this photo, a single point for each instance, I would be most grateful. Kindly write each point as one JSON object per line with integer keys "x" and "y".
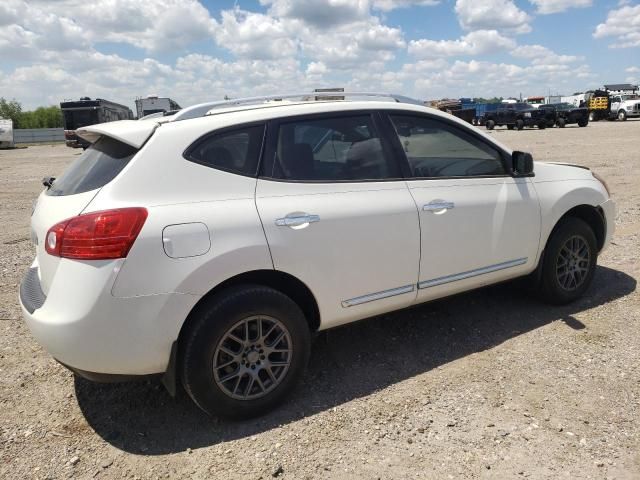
{"x": 252, "y": 358}
{"x": 572, "y": 265}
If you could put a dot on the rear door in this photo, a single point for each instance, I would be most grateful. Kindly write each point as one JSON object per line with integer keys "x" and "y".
{"x": 71, "y": 192}
{"x": 338, "y": 215}
{"x": 478, "y": 224}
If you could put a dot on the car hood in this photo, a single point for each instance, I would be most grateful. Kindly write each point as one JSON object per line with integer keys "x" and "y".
{"x": 553, "y": 171}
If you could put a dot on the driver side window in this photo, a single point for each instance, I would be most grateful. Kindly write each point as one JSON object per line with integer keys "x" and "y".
{"x": 435, "y": 149}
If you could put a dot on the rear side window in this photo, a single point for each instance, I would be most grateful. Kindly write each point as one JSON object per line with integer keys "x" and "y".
{"x": 97, "y": 166}
{"x": 236, "y": 151}
{"x": 331, "y": 149}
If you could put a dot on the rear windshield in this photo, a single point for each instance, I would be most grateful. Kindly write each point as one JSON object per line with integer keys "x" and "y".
{"x": 96, "y": 167}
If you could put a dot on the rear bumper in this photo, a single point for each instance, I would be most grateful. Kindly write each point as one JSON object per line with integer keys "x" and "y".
{"x": 83, "y": 326}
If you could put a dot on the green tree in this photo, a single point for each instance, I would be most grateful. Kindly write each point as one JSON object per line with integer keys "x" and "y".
{"x": 42, "y": 117}
{"x": 11, "y": 109}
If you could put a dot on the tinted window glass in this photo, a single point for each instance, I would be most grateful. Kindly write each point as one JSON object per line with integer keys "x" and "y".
{"x": 331, "y": 149}
{"x": 236, "y": 151}
{"x": 435, "y": 149}
{"x": 97, "y": 166}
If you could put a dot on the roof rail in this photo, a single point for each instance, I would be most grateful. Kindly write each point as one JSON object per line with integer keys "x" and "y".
{"x": 201, "y": 109}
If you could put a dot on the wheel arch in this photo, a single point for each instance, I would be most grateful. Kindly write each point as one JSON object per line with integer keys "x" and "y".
{"x": 278, "y": 280}
{"x": 591, "y": 215}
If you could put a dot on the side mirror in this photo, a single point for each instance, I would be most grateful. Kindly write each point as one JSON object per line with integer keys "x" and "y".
{"x": 522, "y": 163}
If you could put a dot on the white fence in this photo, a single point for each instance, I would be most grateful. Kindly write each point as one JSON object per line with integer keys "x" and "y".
{"x": 38, "y": 135}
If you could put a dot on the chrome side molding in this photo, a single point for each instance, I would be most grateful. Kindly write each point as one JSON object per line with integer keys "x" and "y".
{"x": 471, "y": 273}
{"x": 378, "y": 296}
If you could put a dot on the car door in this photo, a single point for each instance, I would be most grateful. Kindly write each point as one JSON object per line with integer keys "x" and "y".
{"x": 478, "y": 223}
{"x": 338, "y": 215}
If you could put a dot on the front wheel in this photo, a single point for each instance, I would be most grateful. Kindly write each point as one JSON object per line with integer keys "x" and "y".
{"x": 583, "y": 123}
{"x": 509, "y": 127}
{"x": 490, "y": 124}
{"x": 622, "y": 115}
{"x": 246, "y": 350}
{"x": 519, "y": 124}
{"x": 569, "y": 262}
{"x": 562, "y": 122}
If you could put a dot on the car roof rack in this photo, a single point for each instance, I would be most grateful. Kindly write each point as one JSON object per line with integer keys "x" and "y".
{"x": 202, "y": 109}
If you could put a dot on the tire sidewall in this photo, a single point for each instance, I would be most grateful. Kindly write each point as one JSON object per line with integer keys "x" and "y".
{"x": 551, "y": 288}
{"x": 215, "y": 320}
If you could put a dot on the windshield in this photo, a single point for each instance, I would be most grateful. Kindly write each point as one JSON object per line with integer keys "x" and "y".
{"x": 74, "y": 119}
{"x": 96, "y": 167}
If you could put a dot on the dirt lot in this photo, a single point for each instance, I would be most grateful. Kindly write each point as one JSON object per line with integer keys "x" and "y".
{"x": 490, "y": 384}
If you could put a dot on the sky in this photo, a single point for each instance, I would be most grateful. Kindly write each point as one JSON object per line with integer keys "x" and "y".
{"x": 196, "y": 51}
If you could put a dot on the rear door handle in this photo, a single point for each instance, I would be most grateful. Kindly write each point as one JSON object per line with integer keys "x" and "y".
{"x": 438, "y": 205}
{"x": 297, "y": 220}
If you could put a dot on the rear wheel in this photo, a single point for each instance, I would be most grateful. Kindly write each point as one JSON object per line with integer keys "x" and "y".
{"x": 519, "y": 124}
{"x": 245, "y": 351}
{"x": 509, "y": 127}
{"x": 569, "y": 262}
{"x": 490, "y": 124}
{"x": 583, "y": 123}
{"x": 562, "y": 122}
{"x": 542, "y": 125}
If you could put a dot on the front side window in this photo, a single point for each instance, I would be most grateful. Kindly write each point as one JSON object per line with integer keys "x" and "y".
{"x": 236, "y": 151}
{"x": 436, "y": 149}
{"x": 331, "y": 149}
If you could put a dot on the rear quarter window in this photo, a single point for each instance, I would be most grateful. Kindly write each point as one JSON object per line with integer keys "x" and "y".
{"x": 97, "y": 166}
{"x": 235, "y": 150}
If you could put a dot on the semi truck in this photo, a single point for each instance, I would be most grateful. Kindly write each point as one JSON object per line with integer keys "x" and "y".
{"x": 83, "y": 112}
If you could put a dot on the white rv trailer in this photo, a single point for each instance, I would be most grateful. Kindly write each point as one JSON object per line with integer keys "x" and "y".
{"x": 6, "y": 133}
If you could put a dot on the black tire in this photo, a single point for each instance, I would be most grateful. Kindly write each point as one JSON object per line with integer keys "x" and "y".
{"x": 509, "y": 127}
{"x": 519, "y": 124}
{"x": 622, "y": 116}
{"x": 542, "y": 125}
{"x": 490, "y": 124}
{"x": 552, "y": 289}
{"x": 562, "y": 122}
{"x": 583, "y": 123}
{"x": 202, "y": 344}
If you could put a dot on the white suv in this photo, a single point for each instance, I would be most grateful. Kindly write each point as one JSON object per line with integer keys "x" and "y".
{"x": 210, "y": 245}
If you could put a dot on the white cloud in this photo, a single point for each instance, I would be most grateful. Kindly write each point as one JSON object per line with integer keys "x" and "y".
{"x": 501, "y": 15}
{"x": 475, "y": 43}
{"x": 556, "y": 6}
{"x": 632, "y": 70}
{"x": 320, "y": 13}
{"x": 254, "y": 35}
{"x": 153, "y": 25}
{"x": 540, "y": 55}
{"x": 387, "y": 5}
{"x": 624, "y": 25}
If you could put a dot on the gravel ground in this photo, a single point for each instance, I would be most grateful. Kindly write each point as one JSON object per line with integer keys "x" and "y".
{"x": 489, "y": 384}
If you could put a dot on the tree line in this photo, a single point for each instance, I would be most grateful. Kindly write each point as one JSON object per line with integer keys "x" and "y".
{"x": 41, "y": 117}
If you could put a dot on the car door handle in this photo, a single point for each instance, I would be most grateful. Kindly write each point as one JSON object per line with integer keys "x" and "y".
{"x": 437, "y": 206}
{"x": 297, "y": 220}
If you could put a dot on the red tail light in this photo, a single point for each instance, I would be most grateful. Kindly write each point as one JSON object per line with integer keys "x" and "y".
{"x": 96, "y": 236}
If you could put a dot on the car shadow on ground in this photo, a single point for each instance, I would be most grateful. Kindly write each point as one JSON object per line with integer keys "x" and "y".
{"x": 346, "y": 363}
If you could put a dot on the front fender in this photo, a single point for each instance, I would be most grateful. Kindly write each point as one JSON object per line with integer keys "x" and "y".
{"x": 558, "y": 197}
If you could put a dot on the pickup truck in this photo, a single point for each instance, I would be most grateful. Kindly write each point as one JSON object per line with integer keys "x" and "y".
{"x": 515, "y": 115}
{"x": 562, "y": 114}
